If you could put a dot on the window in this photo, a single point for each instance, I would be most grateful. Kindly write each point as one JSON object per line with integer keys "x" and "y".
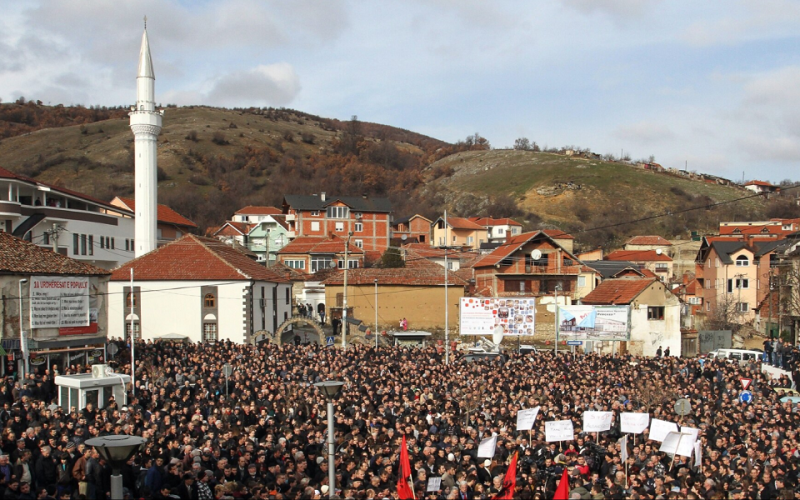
{"x": 581, "y": 281}
{"x": 338, "y": 212}
{"x": 501, "y": 231}
{"x": 717, "y": 265}
{"x": 137, "y": 330}
{"x": 209, "y": 333}
{"x": 76, "y": 238}
{"x": 450, "y": 265}
{"x": 315, "y": 226}
{"x": 287, "y": 292}
{"x": 742, "y": 307}
{"x": 102, "y": 242}
{"x": 357, "y": 215}
{"x": 295, "y": 264}
{"x": 514, "y": 230}
{"x": 469, "y": 240}
{"x": 359, "y": 243}
{"x": 112, "y": 243}
{"x": 695, "y": 300}
{"x": 742, "y": 283}
{"x": 315, "y": 213}
{"x": 454, "y": 239}
{"x": 126, "y": 245}
{"x": 742, "y": 261}
{"x": 359, "y": 227}
{"x": 91, "y": 244}
{"x": 209, "y": 300}
{"x": 131, "y": 297}
{"x": 718, "y": 283}
{"x": 662, "y": 266}
{"x": 320, "y": 263}
{"x": 352, "y": 264}
{"x": 708, "y": 306}
{"x": 83, "y": 244}
{"x": 655, "y": 313}
{"x": 521, "y": 286}
{"x": 340, "y": 226}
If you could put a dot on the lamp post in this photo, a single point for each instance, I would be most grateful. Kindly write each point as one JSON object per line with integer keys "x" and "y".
{"x": 446, "y": 301}
{"x": 555, "y": 344}
{"x": 330, "y": 388}
{"x": 23, "y": 345}
{"x": 344, "y": 310}
{"x": 376, "y": 313}
{"x": 116, "y": 450}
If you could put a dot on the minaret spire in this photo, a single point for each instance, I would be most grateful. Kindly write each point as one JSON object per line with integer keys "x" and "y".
{"x": 146, "y": 125}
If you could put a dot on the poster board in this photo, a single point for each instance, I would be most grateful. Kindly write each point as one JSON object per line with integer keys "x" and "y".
{"x": 480, "y": 315}
{"x": 558, "y": 430}
{"x": 634, "y": 423}
{"x": 660, "y": 428}
{"x": 596, "y": 421}
{"x": 594, "y": 323}
{"x": 59, "y": 302}
{"x": 525, "y": 419}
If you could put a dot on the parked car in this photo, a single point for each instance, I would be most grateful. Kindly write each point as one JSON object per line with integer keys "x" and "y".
{"x": 741, "y": 355}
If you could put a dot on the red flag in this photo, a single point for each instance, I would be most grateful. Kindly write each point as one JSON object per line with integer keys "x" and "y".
{"x": 509, "y": 481}
{"x": 404, "y": 491}
{"x": 562, "y": 492}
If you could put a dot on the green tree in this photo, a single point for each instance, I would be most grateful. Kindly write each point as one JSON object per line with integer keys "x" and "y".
{"x": 391, "y": 258}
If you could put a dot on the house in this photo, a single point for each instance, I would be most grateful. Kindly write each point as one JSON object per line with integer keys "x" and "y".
{"x": 414, "y": 229}
{"x": 648, "y": 243}
{"x": 416, "y": 293}
{"x": 458, "y": 232}
{"x": 735, "y": 278}
{"x": 498, "y": 230}
{"x": 170, "y": 225}
{"x": 267, "y": 237}
{"x": 656, "y": 261}
{"x": 565, "y": 240}
{"x": 70, "y": 223}
{"x": 655, "y": 313}
{"x": 311, "y": 255}
{"x": 761, "y": 187}
{"x": 368, "y": 219}
{"x": 233, "y": 231}
{"x": 46, "y": 282}
{"x": 254, "y": 214}
{"x": 773, "y": 228}
{"x": 200, "y": 288}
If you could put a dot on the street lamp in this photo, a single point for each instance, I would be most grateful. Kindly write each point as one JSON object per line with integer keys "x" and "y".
{"x": 330, "y": 388}
{"x": 344, "y": 310}
{"x": 555, "y": 344}
{"x": 116, "y": 450}
{"x": 376, "y": 313}
{"x": 22, "y": 344}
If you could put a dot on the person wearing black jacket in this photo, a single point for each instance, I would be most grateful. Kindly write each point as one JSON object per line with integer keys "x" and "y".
{"x": 46, "y": 469}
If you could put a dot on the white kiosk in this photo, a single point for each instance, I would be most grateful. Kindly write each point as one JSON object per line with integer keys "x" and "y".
{"x": 97, "y": 388}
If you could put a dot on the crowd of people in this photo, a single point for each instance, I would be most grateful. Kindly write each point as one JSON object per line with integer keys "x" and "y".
{"x": 263, "y": 436}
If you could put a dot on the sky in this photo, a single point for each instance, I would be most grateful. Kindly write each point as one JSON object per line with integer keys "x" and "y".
{"x": 712, "y": 86}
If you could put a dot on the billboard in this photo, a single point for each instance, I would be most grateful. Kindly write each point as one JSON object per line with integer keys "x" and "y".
{"x": 596, "y": 323}
{"x": 481, "y": 315}
{"x": 58, "y": 302}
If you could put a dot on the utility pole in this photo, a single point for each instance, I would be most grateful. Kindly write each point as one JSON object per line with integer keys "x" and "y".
{"x": 268, "y": 231}
{"x": 376, "y": 313}
{"x": 344, "y": 310}
{"x": 54, "y": 237}
{"x": 446, "y": 301}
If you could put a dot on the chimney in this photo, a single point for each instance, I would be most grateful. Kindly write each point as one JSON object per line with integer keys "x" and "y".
{"x": 322, "y": 196}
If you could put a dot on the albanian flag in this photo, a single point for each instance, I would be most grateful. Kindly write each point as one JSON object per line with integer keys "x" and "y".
{"x": 562, "y": 492}
{"x": 509, "y": 481}
{"x": 404, "y": 491}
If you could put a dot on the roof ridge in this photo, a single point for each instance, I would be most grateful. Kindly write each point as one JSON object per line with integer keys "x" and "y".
{"x": 219, "y": 257}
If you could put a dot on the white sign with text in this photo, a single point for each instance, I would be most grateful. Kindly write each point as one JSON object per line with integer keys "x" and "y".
{"x": 525, "y": 419}
{"x": 559, "y": 430}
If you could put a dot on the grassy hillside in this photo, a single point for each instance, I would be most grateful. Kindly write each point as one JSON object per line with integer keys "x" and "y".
{"x": 583, "y": 195}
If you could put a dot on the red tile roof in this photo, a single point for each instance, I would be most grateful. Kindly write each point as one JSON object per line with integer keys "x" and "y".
{"x": 649, "y": 240}
{"x": 312, "y": 244}
{"x": 195, "y": 258}
{"x": 753, "y": 230}
{"x": 165, "y": 214}
{"x": 18, "y": 256}
{"x": 231, "y": 228}
{"x": 255, "y": 210}
{"x": 617, "y": 291}
{"x": 423, "y": 251}
{"x": 639, "y": 256}
{"x": 759, "y": 183}
{"x": 462, "y": 223}
{"x": 431, "y": 274}
{"x": 510, "y": 246}
{"x": 558, "y": 234}
{"x": 488, "y": 221}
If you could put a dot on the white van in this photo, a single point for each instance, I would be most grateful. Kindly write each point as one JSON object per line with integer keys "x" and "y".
{"x": 742, "y": 355}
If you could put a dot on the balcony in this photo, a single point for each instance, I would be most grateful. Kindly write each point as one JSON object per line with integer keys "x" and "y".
{"x": 291, "y": 234}
{"x": 291, "y": 217}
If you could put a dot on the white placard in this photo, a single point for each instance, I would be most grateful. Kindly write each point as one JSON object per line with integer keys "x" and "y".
{"x": 685, "y": 445}
{"x": 525, "y": 418}
{"x": 670, "y": 442}
{"x": 695, "y": 433}
{"x": 623, "y": 448}
{"x": 481, "y": 315}
{"x": 59, "y": 302}
{"x": 596, "y": 421}
{"x": 434, "y": 484}
{"x": 487, "y": 447}
{"x": 559, "y": 430}
{"x": 634, "y": 423}
{"x": 660, "y": 428}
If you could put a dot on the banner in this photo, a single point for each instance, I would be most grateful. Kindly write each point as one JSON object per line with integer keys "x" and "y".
{"x": 660, "y": 428}
{"x": 487, "y": 447}
{"x": 58, "y": 302}
{"x": 623, "y": 448}
{"x": 596, "y": 421}
{"x": 594, "y": 323}
{"x": 480, "y": 316}
{"x": 525, "y": 419}
{"x": 634, "y": 423}
{"x": 677, "y": 443}
{"x": 559, "y": 430}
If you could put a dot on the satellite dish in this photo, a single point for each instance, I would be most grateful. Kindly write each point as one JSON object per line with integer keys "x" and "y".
{"x": 404, "y": 237}
{"x": 659, "y": 251}
{"x": 536, "y": 254}
{"x": 109, "y": 371}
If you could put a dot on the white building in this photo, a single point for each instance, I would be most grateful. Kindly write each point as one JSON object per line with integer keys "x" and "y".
{"x": 200, "y": 288}
{"x": 498, "y": 229}
{"x": 253, "y": 214}
{"x": 655, "y": 313}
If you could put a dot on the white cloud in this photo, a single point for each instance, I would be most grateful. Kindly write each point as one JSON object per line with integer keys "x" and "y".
{"x": 275, "y": 84}
{"x": 645, "y": 132}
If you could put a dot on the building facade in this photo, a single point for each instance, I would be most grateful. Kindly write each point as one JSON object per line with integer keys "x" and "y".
{"x": 458, "y": 232}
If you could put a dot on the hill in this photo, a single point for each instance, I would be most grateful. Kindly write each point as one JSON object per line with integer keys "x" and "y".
{"x": 592, "y": 199}
{"x": 213, "y": 161}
